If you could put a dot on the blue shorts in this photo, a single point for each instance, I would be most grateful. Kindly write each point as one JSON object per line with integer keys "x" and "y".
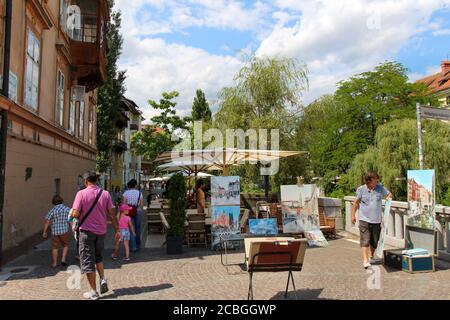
{"x": 125, "y": 233}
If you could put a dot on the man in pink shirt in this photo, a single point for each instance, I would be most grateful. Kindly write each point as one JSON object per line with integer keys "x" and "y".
{"x": 93, "y": 231}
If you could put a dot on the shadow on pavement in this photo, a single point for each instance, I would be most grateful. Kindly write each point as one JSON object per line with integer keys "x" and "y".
{"x": 303, "y": 294}
{"x": 137, "y": 290}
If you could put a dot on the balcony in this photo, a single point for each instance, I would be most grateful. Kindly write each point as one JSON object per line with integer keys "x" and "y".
{"x": 122, "y": 121}
{"x": 120, "y": 146}
{"x": 88, "y": 44}
{"x": 134, "y": 127}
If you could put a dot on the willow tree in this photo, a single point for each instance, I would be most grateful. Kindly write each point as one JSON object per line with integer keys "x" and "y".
{"x": 266, "y": 95}
{"x": 396, "y": 151}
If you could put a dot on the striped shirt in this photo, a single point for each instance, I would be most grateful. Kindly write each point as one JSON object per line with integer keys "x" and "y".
{"x": 58, "y": 216}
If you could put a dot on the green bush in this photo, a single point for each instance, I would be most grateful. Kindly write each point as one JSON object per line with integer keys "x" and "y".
{"x": 177, "y": 200}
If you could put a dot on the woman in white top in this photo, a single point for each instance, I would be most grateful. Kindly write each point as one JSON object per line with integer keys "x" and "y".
{"x": 133, "y": 197}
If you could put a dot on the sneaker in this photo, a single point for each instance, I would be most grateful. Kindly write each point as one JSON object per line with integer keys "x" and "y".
{"x": 126, "y": 259}
{"x": 114, "y": 257}
{"x": 64, "y": 264}
{"x": 103, "y": 286}
{"x": 374, "y": 261}
{"x": 91, "y": 295}
{"x": 367, "y": 265}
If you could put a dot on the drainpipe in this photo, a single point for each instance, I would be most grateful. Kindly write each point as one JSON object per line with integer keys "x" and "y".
{"x": 4, "y": 119}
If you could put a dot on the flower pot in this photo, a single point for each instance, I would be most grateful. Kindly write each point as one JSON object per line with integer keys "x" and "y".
{"x": 174, "y": 245}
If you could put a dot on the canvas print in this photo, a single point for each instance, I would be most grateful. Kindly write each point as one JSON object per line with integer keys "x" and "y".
{"x": 421, "y": 199}
{"x": 316, "y": 238}
{"x": 263, "y": 226}
{"x": 303, "y": 214}
{"x": 225, "y": 191}
{"x": 225, "y": 221}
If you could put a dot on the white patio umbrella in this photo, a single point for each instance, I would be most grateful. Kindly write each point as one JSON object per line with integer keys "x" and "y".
{"x": 190, "y": 167}
{"x": 158, "y": 179}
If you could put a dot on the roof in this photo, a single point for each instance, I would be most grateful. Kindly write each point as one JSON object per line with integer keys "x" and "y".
{"x": 131, "y": 106}
{"x": 437, "y": 82}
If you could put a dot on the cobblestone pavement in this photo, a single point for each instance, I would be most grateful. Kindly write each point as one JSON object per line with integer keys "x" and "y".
{"x": 334, "y": 272}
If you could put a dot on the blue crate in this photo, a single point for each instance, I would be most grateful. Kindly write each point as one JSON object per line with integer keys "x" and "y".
{"x": 418, "y": 264}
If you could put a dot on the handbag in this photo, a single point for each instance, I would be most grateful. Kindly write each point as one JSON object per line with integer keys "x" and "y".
{"x": 134, "y": 209}
{"x": 77, "y": 224}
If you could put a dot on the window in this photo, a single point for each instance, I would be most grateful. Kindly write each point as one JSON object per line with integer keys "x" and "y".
{"x": 91, "y": 125}
{"x": 57, "y": 187}
{"x": 64, "y": 5}
{"x": 447, "y": 100}
{"x": 32, "y": 71}
{"x": 72, "y": 116}
{"x": 12, "y": 86}
{"x": 81, "y": 121}
{"x": 60, "y": 86}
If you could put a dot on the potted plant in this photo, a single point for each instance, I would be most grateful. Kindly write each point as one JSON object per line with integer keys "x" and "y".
{"x": 176, "y": 188}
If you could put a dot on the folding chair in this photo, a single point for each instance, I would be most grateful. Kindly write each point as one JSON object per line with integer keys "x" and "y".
{"x": 274, "y": 255}
{"x": 196, "y": 233}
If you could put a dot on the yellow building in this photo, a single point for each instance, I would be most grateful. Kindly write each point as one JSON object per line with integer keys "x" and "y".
{"x": 55, "y": 53}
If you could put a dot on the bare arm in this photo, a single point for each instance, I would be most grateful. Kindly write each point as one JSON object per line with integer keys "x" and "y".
{"x": 46, "y": 225}
{"x": 133, "y": 231}
{"x": 113, "y": 218}
{"x": 354, "y": 210}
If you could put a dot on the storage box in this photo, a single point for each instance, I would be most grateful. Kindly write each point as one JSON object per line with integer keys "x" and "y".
{"x": 393, "y": 258}
{"x": 418, "y": 264}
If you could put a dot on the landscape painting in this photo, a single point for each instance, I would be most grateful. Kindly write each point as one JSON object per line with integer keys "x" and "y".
{"x": 225, "y": 191}
{"x": 263, "y": 227}
{"x": 421, "y": 199}
{"x": 225, "y": 221}
{"x": 316, "y": 238}
{"x": 303, "y": 214}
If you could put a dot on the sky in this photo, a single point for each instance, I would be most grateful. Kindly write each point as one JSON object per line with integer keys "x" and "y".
{"x": 185, "y": 45}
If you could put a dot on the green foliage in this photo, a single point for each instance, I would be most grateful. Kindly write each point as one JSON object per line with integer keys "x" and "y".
{"x": 336, "y": 128}
{"x": 200, "y": 108}
{"x": 150, "y": 143}
{"x": 110, "y": 94}
{"x": 177, "y": 197}
{"x": 396, "y": 151}
{"x": 168, "y": 119}
{"x": 266, "y": 95}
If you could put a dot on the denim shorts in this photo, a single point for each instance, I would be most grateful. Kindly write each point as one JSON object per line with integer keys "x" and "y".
{"x": 125, "y": 233}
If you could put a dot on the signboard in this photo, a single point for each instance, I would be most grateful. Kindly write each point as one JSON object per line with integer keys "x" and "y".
{"x": 421, "y": 199}
{"x": 435, "y": 113}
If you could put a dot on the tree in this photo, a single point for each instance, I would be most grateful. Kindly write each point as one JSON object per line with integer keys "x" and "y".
{"x": 266, "y": 95}
{"x": 396, "y": 151}
{"x": 110, "y": 94}
{"x": 200, "y": 108}
{"x": 168, "y": 120}
{"x": 335, "y": 129}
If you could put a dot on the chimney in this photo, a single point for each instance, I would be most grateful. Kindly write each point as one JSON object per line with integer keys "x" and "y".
{"x": 445, "y": 65}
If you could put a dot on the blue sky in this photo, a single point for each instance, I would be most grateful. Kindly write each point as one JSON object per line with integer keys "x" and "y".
{"x": 423, "y": 177}
{"x": 184, "y": 45}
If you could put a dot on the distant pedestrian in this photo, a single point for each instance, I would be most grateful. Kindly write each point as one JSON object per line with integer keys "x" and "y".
{"x": 200, "y": 197}
{"x": 149, "y": 199}
{"x": 90, "y": 207}
{"x": 126, "y": 229}
{"x": 57, "y": 219}
{"x": 117, "y": 196}
{"x": 133, "y": 197}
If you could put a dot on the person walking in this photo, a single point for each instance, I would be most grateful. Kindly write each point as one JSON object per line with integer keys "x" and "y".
{"x": 90, "y": 207}
{"x": 369, "y": 198}
{"x": 133, "y": 197}
{"x": 57, "y": 219}
{"x": 126, "y": 229}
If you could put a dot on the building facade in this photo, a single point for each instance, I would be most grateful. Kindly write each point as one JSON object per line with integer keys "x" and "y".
{"x": 439, "y": 84}
{"x": 126, "y": 164}
{"x": 57, "y": 59}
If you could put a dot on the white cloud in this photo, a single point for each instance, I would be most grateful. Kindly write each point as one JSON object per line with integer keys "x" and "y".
{"x": 441, "y": 32}
{"x": 340, "y": 38}
{"x": 336, "y": 39}
{"x": 154, "y": 66}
